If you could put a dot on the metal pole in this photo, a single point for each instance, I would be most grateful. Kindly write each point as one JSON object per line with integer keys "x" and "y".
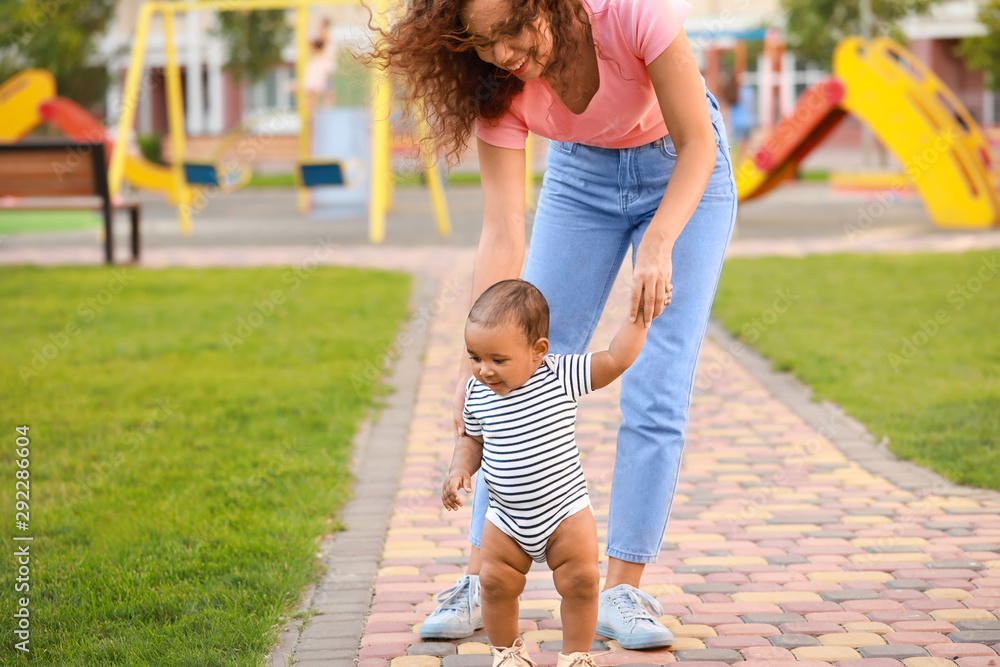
{"x": 175, "y": 116}
{"x": 380, "y": 164}
{"x": 301, "y": 96}
{"x": 381, "y": 145}
{"x": 435, "y": 184}
{"x": 866, "y": 33}
{"x": 130, "y": 100}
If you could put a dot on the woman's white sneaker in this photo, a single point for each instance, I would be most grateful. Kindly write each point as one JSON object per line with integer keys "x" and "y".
{"x": 459, "y": 614}
{"x": 623, "y": 614}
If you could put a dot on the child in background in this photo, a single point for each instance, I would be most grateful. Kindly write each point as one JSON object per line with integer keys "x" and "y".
{"x": 520, "y": 416}
{"x": 321, "y": 66}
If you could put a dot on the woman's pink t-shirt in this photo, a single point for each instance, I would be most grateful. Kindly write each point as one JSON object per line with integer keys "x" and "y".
{"x": 624, "y": 113}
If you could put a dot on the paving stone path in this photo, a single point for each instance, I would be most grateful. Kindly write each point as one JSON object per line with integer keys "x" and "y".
{"x": 792, "y": 538}
{"x": 779, "y": 548}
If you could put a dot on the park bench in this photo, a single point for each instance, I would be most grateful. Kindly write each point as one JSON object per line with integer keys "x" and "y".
{"x": 63, "y": 176}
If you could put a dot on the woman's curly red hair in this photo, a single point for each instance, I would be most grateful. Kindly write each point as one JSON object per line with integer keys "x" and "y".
{"x": 433, "y": 58}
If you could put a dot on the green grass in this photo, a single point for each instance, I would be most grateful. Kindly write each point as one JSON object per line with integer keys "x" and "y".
{"x": 892, "y": 339}
{"x": 271, "y": 181}
{"x": 183, "y": 464}
{"x": 20, "y": 222}
{"x": 813, "y": 175}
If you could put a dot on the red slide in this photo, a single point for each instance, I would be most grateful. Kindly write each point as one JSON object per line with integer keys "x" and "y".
{"x": 815, "y": 115}
{"x": 74, "y": 121}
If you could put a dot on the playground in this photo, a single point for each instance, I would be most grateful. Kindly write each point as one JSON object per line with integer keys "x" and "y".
{"x": 237, "y": 426}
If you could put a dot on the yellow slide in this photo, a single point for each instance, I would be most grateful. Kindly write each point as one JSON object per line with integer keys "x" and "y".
{"x": 142, "y": 174}
{"x": 942, "y": 150}
{"x": 20, "y": 96}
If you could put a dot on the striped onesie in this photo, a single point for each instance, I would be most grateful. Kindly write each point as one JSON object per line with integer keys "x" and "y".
{"x": 530, "y": 459}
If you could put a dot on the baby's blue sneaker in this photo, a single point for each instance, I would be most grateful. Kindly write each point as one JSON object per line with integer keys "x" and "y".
{"x": 460, "y": 613}
{"x": 623, "y": 615}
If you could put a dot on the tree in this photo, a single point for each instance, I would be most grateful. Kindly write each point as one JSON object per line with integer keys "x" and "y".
{"x": 814, "y": 27}
{"x": 255, "y": 40}
{"x": 60, "y": 36}
{"x": 982, "y": 52}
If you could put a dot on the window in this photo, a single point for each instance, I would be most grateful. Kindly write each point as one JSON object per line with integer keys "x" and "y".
{"x": 272, "y": 93}
{"x": 269, "y": 104}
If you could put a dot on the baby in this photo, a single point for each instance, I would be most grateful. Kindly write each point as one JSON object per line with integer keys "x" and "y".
{"x": 520, "y": 414}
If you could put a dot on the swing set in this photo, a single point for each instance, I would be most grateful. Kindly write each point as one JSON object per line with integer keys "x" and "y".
{"x": 191, "y": 177}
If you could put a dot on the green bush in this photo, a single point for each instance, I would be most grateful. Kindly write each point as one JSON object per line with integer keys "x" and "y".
{"x": 151, "y": 147}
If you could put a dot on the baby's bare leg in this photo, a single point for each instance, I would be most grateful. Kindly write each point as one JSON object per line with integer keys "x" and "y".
{"x": 502, "y": 578}
{"x": 572, "y": 555}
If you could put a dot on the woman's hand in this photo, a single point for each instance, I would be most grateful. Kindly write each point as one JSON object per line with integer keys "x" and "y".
{"x": 651, "y": 278}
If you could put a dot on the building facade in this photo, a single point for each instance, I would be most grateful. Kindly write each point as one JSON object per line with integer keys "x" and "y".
{"x": 215, "y": 103}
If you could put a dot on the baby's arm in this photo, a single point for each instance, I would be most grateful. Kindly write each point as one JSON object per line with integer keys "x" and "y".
{"x": 464, "y": 464}
{"x": 607, "y": 365}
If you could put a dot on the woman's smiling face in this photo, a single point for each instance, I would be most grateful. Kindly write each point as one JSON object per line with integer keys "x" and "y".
{"x": 484, "y": 19}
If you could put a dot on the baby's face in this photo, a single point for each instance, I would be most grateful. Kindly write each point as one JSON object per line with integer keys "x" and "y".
{"x": 502, "y": 358}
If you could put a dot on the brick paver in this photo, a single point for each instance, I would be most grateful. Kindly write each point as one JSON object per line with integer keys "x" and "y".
{"x": 780, "y": 547}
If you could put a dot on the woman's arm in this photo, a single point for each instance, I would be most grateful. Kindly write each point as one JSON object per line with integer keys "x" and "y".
{"x": 501, "y": 245}
{"x": 677, "y": 82}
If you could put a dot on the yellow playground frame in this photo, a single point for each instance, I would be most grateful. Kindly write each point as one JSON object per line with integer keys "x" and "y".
{"x": 381, "y": 182}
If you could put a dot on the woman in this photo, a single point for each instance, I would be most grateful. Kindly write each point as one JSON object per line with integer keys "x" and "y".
{"x": 639, "y": 158}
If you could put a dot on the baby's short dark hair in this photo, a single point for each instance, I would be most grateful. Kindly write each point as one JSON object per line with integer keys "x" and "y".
{"x": 516, "y": 302}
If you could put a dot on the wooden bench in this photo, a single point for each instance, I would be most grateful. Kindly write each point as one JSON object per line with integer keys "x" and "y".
{"x": 63, "y": 176}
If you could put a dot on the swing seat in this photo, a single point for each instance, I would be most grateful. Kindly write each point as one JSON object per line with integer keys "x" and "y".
{"x": 208, "y": 174}
{"x": 313, "y": 174}
{"x": 196, "y": 173}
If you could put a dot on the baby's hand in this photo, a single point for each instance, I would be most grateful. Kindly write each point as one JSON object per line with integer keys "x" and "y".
{"x": 455, "y": 482}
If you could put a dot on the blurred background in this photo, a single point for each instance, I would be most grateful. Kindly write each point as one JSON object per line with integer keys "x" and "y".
{"x": 238, "y": 108}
